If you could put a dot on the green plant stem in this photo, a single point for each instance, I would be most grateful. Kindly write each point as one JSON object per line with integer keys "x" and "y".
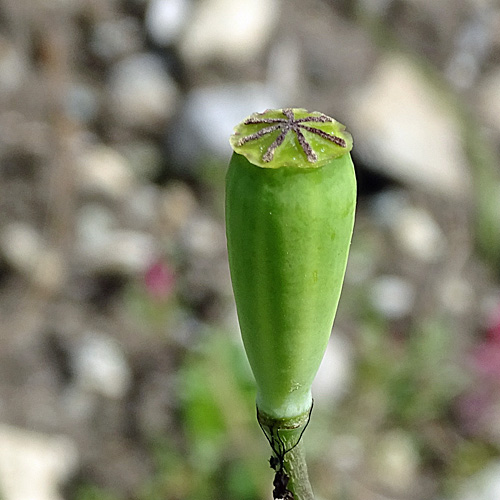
{"x": 285, "y": 438}
{"x": 296, "y": 468}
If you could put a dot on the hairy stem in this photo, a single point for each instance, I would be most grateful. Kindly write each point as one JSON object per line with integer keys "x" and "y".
{"x": 288, "y": 460}
{"x": 296, "y": 468}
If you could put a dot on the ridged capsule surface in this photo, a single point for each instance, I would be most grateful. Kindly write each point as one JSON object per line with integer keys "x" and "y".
{"x": 288, "y": 235}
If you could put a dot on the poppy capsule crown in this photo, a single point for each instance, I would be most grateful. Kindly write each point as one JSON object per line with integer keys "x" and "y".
{"x": 290, "y": 201}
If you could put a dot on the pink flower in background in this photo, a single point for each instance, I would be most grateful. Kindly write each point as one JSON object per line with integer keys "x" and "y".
{"x": 159, "y": 279}
{"x": 493, "y": 326}
{"x": 478, "y": 407}
{"x": 486, "y": 359}
{"x": 486, "y": 356}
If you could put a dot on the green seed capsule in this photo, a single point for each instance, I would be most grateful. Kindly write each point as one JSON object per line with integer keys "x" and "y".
{"x": 290, "y": 201}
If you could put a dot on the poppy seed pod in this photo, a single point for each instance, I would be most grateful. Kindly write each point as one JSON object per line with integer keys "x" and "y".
{"x": 290, "y": 202}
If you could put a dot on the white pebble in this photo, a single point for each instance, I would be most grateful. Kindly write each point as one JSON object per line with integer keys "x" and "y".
{"x": 418, "y": 234}
{"x": 142, "y": 205}
{"x": 102, "y": 246}
{"x": 33, "y": 465}
{"x": 176, "y": 206}
{"x": 25, "y": 250}
{"x": 13, "y": 67}
{"x": 101, "y": 367}
{"x": 392, "y": 296}
{"x": 396, "y": 462}
{"x": 143, "y": 94}
{"x": 94, "y": 223}
{"x": 165, "y": 19}
{"x": 50, "y": 271}
{"x": 233, "y": 30}
{"x": 406, "y": 129}
{"x": 102, "y": 170}
{"x": 21, "y": 245}
{"x": 202, "y": 236}
{"x": 123, "y": 251}
{"x": 220, "y": 107}
{"x": 413, "y": 228}
{"x": 483, "y": 485}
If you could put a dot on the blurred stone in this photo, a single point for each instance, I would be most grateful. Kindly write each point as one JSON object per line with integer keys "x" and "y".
{"x": 386, "y": 205}
{"x": 418, "y": 234}
{"x": 11, "y": 122}
{"x": 142, "y": 206}
{"x": 144, "y": 158}
{"x": 472, "y": 47}
{"x": 25, "y": 250}
{"x": 13, "y": 67}
{"x": 112, "y": 39}
{"x": 206, "y": 276}
{"x": 413, "y": 228}
{"x": 79, "y": 405}
{"x": 134, "y": 250}
{"x": 285, "y": 71}
{"x": 104, "y": 247}
{"x": 335, "y": 372}
{"x": 156, "y": 395}
{"x": 232, "y": 30}
{"x": 376, "y": 8}
{"x": 100, "y": 366}
{"x": 21, "y": 245}
{"x": 19, "y": 132}
{"x": 403, "y": 127}
{"x": 94, "y": 223}
{"x": 484, "y": 485}
{"x": 396, "y": 462}
{"x": 336, "y": 54}
{"x": 489, "y": 99}
{"x": 82, "y": 102}
{"x": 104, "y": 171}
{"x": 50, "y": 272}
{"x": 347, "y": 452}
{"x": 122, "y": 251}
{"x": 209, "y": 116}
{"x": 142, "y": 92}
{"x": 457, "y": 295}
{"x": 177, "y": 205}
{"x": 165, "y": 19}
{"x": 32, "y": 465}
{"x": 392, "y": 296}
{"x": 202, "y": 236}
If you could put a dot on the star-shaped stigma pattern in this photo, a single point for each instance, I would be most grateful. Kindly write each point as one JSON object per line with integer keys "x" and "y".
{"x": 290, "y": 124}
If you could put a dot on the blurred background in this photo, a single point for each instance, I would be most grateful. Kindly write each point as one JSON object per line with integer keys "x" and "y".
{"x": 122, "y": 375}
